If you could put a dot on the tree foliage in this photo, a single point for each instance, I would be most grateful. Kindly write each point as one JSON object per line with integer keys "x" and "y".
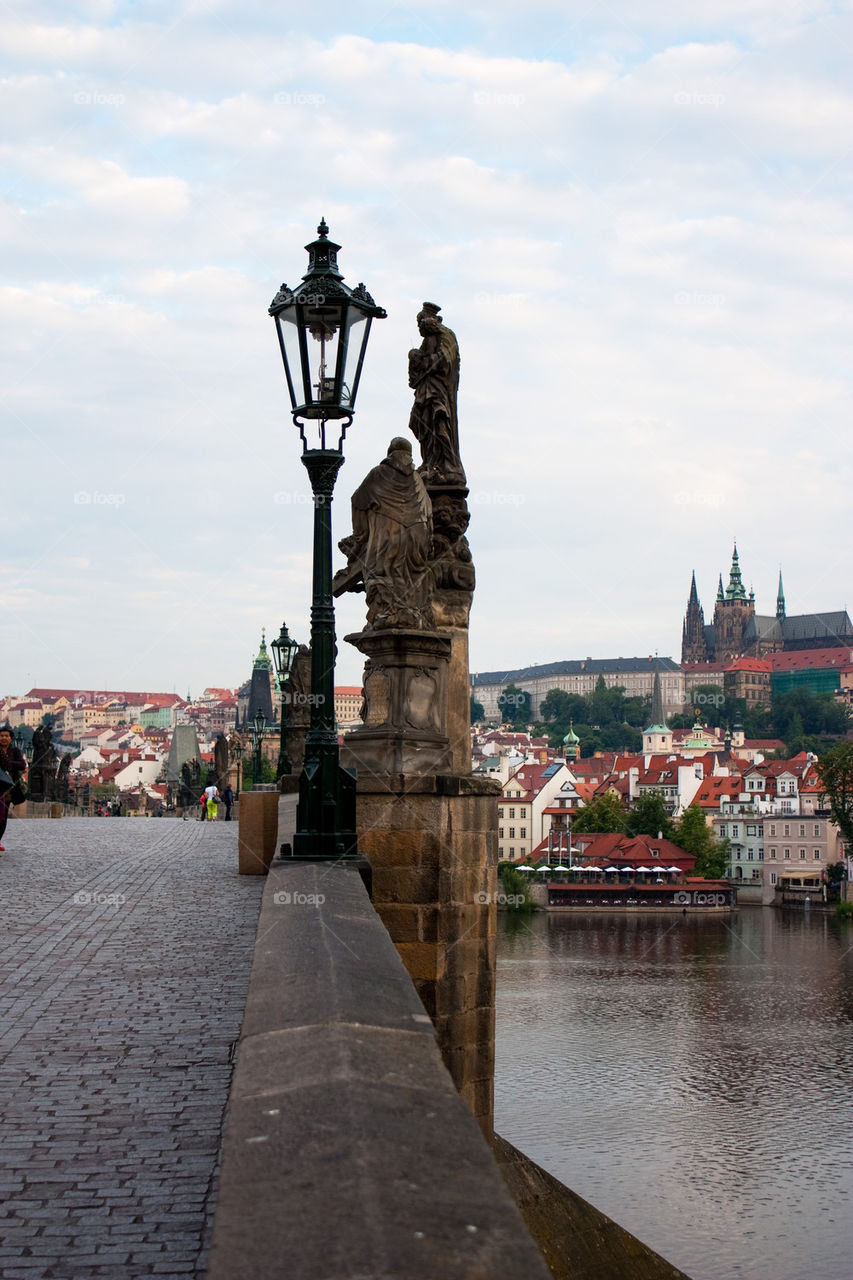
{"x": 648, "y": 816}
{"x": 603, "y": 813}
{"x": 835, "y": 770}
{"x": 514, "y": 706}
{"x": 692, "y": 834}
{"x": 478, "y": 711}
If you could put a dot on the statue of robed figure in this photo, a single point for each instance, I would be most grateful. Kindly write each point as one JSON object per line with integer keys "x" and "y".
{"x": 434, "y": 377}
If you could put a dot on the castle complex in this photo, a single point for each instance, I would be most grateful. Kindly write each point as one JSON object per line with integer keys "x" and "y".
{"x": 739, "y": 632}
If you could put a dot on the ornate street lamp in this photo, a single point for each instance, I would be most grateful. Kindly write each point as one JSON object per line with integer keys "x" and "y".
{"x": 238, "y": 756}
{"x": 259, "y": 724}
{"x": 323, "y": 327}
{"x": 284, "y": 650}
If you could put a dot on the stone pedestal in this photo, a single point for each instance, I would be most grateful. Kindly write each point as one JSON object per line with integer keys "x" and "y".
{"x": 257, "y": 831}
{"x": 405, "y": 694}
{"x": 432, "y": 845}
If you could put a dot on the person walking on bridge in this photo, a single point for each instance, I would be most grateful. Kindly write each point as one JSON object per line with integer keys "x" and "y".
{"x": 212, "y": 794}
{"x": 13, "y": 761}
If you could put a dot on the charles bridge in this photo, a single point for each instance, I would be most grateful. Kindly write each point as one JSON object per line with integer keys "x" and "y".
{"x": 133, "y": 954}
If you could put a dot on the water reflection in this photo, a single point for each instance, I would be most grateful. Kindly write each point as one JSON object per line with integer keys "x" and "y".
{"x": 691, "y": 1077}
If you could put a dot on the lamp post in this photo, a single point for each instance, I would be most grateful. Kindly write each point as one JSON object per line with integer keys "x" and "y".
{"x": 238, "y": 756}
{"x": 284, "y": 650}
{"x": 259, "y": 724}
{"x": 323, "y": 327}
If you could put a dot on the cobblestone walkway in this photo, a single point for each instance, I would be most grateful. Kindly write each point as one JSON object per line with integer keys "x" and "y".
{"x": 125, "y": 950}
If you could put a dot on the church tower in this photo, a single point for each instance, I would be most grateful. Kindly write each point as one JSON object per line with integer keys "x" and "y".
{"x": 657, "y": 739}
{"x": 694, "y": 647}
{"x": 780, "y": 600}
{"x": 732, "y": 615}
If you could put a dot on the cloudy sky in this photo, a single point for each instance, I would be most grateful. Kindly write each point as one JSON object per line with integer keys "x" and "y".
{"x": 636, "y": 217}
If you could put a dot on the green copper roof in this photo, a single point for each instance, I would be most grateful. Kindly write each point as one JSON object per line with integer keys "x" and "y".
{"x": 263, "y": 662}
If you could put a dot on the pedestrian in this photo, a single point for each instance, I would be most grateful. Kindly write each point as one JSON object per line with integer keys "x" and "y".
{"x": 228, "y": 800}
{"x": 203, "y": 802}
{"x": 12, "y": 760}
{"x": 212, "y": 794}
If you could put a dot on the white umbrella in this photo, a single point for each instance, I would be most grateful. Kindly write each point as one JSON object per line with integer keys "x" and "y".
{"x": 591, "y": 868}
{"x": 524, "y": 868}
{"x": 576, "y": 868}
{"x": 672, "y": 868}
{"x": 644, "y": 868}
{"x": 560, "y": 867}
{"x": 609, "y": 869}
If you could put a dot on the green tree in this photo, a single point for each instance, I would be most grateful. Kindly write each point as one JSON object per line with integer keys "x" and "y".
{"x": 603, "y": 813}
{"x": 692, "y": 834}
{"x": 648, "y": 816}
{"x": 560, "y": 707}
{"x": 514, "y": 706}
{"x": 478, "y": 711}
{"x": 835, "y": 770}
{"x": 708, "y": 701}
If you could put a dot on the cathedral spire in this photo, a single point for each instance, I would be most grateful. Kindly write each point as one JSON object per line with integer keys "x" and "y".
{"x": 720, "y": 595}
{"x": 658, "y": 717}
{"x": 780, "y": 599}
{"x": 694, "y": 594}
{"x": 735, "y": 589}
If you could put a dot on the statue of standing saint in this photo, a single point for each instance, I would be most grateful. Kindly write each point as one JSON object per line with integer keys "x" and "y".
{"x": 390, "y": 550}
{"x": 434, "y": 377}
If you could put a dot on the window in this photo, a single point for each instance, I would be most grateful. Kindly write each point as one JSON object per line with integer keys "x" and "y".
{"x": 500, "y": 851}
{"x": 760, "y": 855}
{"x": 724, "y": 830}
{"x": 501, "y": 833}
{"x": 512, "y": 852}
{"x": 817, "y": 855}
{"x": 787, "y": 830}
{"x": 772, "y": 828}
{"x": 750, "y": 855}
{"x": 523, "y": 833}
{"x": 512, "y": 813}
{"x": 735, "y": 831}
{"x": 512, "y": 833}
{"x": 802, "y": 829}
{"x": 802, "y": 854}
{"x": 786, "y": 853}
{"x": 817, "y": 828}
{"x": 752, "y": 831}
{"x": 772, "y": 877}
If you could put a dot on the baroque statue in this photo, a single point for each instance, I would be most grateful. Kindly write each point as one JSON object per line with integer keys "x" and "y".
{"x": 389, "y": 554}
{"x": 434, "y": 377}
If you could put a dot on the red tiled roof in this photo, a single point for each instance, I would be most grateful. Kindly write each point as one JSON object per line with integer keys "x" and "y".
{"x": 810, "y": 659}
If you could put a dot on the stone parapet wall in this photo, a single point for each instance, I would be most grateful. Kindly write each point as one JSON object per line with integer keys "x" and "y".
{"x": 347, "y": 1151}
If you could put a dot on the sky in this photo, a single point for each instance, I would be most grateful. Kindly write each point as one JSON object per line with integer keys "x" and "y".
{"x": 635, "y": 217}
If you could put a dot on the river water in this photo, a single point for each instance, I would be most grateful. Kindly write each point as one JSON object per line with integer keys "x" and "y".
{"x": 692, "y": 1078}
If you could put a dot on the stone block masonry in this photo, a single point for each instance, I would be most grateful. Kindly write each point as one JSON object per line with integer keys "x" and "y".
{"x": 124, "y": 962}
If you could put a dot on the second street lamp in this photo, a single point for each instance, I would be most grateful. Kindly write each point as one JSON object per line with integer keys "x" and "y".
{"x": 284, "y": 650}
{"x": 323, "y": 327}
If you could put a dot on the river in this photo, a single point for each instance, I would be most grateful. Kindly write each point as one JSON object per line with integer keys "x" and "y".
{"x": 692, "y": 1078}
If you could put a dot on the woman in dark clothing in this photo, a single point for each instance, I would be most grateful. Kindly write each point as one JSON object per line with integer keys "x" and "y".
{"x": 12, "y": 760}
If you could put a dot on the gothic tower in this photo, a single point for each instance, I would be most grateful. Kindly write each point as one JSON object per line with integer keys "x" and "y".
{"x": 694, "y": 647}
{"x": 732, "y": 614}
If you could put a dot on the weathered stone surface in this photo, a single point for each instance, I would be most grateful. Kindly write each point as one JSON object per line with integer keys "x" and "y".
{"x": 257, "y": 831}
{"x": 577, "y": 1241}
